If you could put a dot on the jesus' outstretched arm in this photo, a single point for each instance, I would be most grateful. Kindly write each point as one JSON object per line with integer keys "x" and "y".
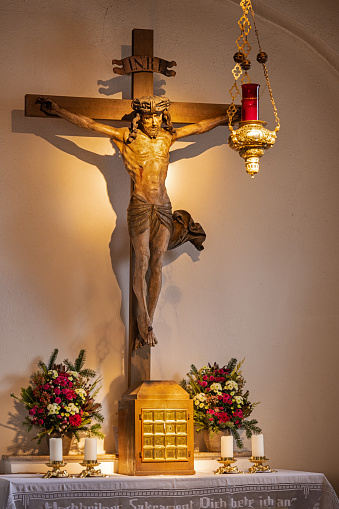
{"x": 200, "y": 127}
{"x": 50, "y": 107}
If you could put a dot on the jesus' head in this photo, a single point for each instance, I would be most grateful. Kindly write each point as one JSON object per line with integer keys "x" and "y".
{"x": 151, "y": 111}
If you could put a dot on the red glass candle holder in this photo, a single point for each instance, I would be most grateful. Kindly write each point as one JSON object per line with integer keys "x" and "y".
{"x": 250, "y": 101}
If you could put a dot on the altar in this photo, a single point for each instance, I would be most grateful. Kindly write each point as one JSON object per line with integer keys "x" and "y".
{"x": 162, "y": 434}
{"x": 204, "y": 490}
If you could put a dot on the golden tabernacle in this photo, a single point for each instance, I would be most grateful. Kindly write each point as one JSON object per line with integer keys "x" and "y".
{"x": 156, "y": 430}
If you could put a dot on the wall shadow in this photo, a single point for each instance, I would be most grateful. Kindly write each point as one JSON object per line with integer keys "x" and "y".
{"x": 22, "y": 442}
{"x": 122, "y": 83}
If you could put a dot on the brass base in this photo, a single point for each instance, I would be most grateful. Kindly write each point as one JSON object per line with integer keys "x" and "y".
{"x": 56, "y": 472}
{"x": 226, "y": 468}
{"x": 90, "y": 470}
{"x": 251, "y": 140}
{"x": 258, "y": 466}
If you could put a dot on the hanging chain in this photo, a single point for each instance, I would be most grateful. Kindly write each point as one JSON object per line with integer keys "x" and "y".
{"x": 242, "y": 62}
{"x": 243, "y": 49}
{"x": 266, "y": 74}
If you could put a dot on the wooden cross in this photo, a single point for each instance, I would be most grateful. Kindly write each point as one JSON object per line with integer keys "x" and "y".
{"x": 141, "y": 65}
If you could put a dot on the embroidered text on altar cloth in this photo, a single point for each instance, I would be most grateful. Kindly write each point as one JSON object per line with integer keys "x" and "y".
{"x": 204, "y": 503}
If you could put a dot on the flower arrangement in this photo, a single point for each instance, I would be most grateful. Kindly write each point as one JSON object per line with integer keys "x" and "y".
{"x": 60, "y": 399}
{"x": 219, "y": 402}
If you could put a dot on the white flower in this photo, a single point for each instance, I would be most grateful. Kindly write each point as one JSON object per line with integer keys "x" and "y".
{"x": 216, "y": 387}
{"x": 53, "y": 408}
{"x": 201, "y": 398}
{"x": 80, "y": 392}
{"x": 75, "y": 374}
{"x": 238, "y": 400}
{"x": 72, "y": 409}
{"x": 231, "y": 385}
{"x": 53, "y": 373}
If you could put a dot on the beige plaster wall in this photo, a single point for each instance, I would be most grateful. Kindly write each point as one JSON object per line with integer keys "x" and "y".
{"x": 266, "y": 285}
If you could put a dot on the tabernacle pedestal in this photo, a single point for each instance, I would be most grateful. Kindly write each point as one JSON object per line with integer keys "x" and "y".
{"x": 156, "y": 430}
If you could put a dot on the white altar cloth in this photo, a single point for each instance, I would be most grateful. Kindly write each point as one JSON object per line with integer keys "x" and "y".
{"x": 296, "y": 490}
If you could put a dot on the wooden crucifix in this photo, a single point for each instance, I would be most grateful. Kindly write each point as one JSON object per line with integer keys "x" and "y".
{"x": 141, "y": 65}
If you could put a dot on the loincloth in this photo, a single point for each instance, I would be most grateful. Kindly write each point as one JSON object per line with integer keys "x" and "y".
{"x": 142, "y": 215}
{"x": 185, "y": 229}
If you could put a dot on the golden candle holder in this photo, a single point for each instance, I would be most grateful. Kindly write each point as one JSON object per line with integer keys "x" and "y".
{"x": 56, "y": 472}
{"x": 258, "y": 466}
{"x": 251, "y": 140}
{"x": 226, "y": 468}
{"x": 90, "y": 471}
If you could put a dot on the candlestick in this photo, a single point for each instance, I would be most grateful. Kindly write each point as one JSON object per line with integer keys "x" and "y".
{"x": 91, "y": 449}
{"x": 90, "y": 471}
{"x": 56, "y": 470}
{"x": 258, "y": 446}
{"x": 258, "y": 466}
{"x": 55, "y": 449}
{"x": 227, "y": 447}
{"x": 227, "y": 468}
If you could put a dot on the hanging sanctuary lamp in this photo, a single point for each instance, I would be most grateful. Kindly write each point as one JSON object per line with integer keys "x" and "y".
{"x": 251, "y": 139}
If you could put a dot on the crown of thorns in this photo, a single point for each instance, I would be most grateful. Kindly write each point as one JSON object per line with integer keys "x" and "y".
{"x": 151, "y": 104}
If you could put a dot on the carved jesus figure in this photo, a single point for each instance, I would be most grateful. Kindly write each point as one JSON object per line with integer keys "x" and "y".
{"x": 145, "y": 151}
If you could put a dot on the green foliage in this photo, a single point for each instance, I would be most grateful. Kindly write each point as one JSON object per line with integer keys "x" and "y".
{"x": 231, "y": 365}
{"x": 78, "y": 365}
{"x": 51, "y": 361}
{"x": 80, "y": 361}
{"x": 251, "y": 428}
{"x": 183, "y": 384}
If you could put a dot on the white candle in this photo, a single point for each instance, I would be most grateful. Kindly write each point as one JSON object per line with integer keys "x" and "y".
{"x": 227, "y": 447}
{"x": 90, "y": 449}
{"x": 258, "y": 446}
{"x": 55, "y": 449}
